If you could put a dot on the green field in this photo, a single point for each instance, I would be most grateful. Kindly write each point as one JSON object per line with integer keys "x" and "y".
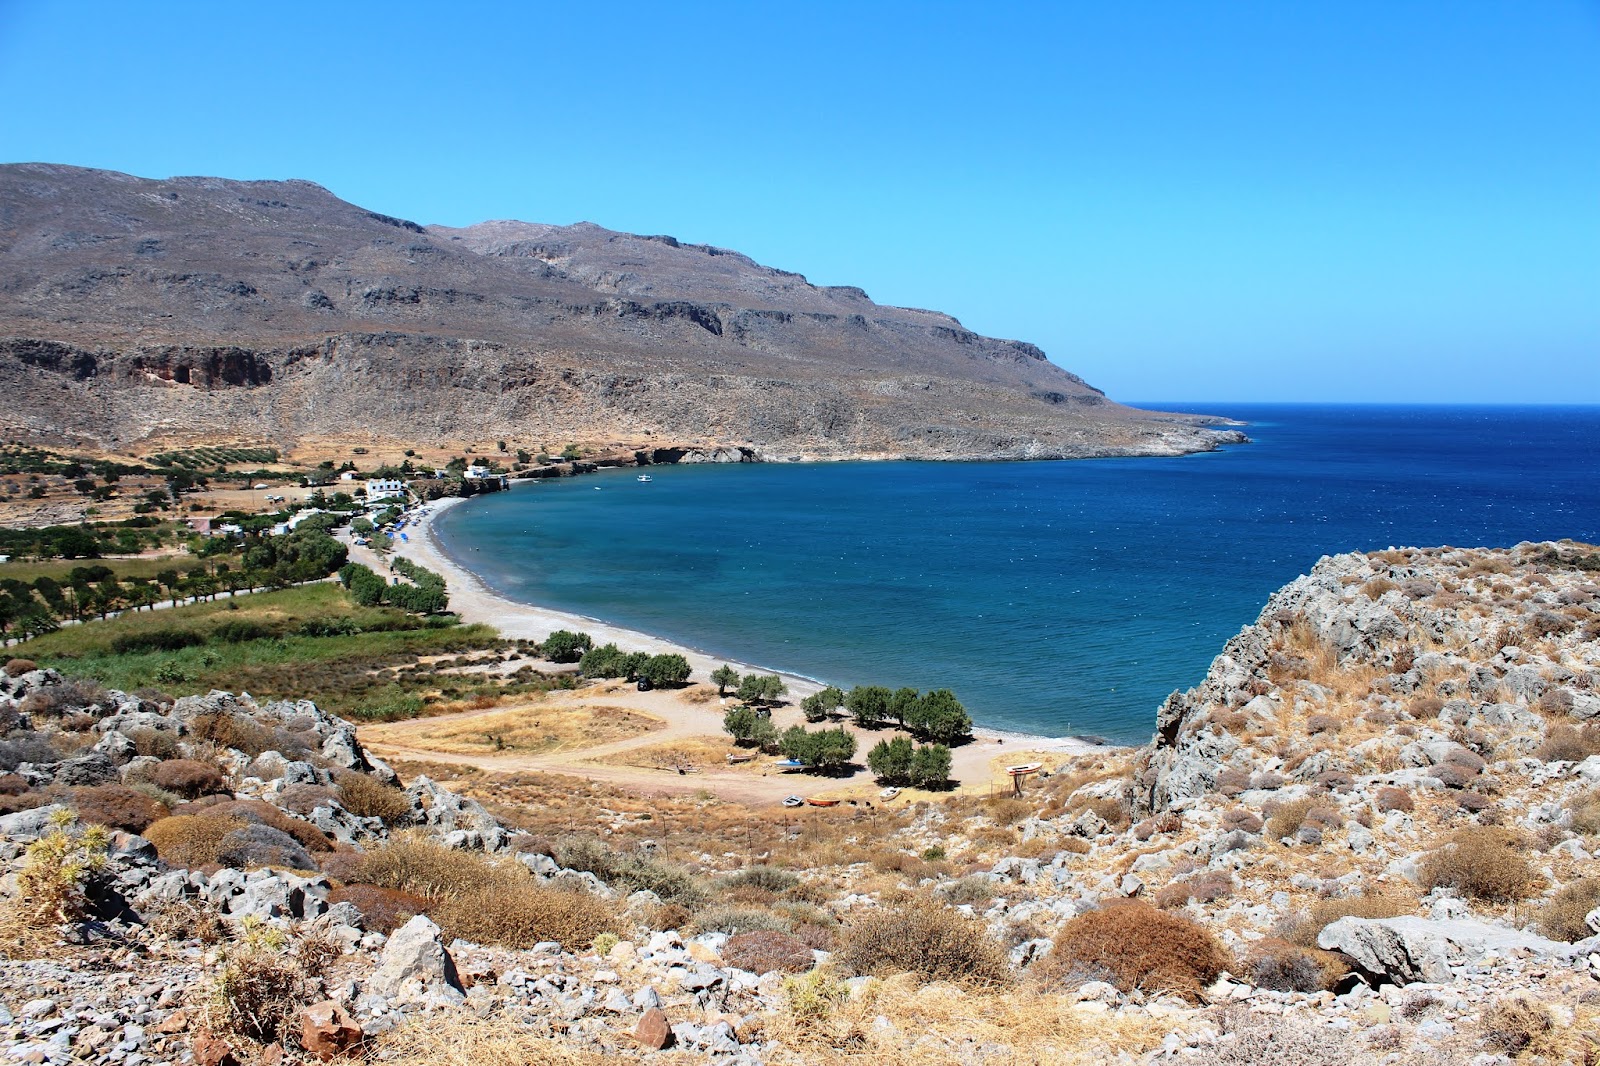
{"x": 142, "y": 569}
{"x": 263, "y": 643}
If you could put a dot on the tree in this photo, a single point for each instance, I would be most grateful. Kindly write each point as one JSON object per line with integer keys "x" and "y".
{"x": 604, "y": 661}
{"x": 749, "y": 729}
{"x": 890, "y": 760}
{"x": 930, "y": 766}
{"x": 939, "y": 716}
{"x": 900, "y": 705}
{"x": 869, "y": 704}
{"x": 565, "y": 646}
{"x": 571, "y": 452}
{"x": 722, "y": 677}
{"x": 819, "y": 705}
{"x": 826, "y": 749}
{"x": 663, "y": 670}
{"x": 168, "y": 580}
{"x": 762, "y": 688}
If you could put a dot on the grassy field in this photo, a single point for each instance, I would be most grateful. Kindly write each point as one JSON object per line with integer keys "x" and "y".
{"x": 264, "y": 643}
{"x": 142, "y": 568}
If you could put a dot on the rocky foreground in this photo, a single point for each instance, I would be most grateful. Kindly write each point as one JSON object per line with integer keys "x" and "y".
{"x": 1366, "y": 836}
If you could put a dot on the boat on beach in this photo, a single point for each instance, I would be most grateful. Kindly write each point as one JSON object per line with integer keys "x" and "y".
{"x": 823, "y": 803}
{"x": 1024, "y": 768}
{"x": 793, "y": 801}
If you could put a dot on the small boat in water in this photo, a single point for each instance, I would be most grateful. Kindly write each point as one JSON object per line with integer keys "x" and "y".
{"x": 793, "y": 801}
{"x": 644, "y": 477}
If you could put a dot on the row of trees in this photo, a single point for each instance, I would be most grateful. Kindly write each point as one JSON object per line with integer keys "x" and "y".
{"x": 934, "y": 716}
{"x": 828, "y": 750}
{"x": 751, "y": 688}
{"x": 656, "y": 671}
{"x": 426, "y": 596}
{"x": 896, "y": 761}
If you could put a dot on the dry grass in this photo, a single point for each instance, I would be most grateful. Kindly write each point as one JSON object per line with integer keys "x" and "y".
{"x": 1516, "y": 1025}
{"x": 945, "y": 1025}
{"x": 1302, "y": 929}
{"x": 1288, "y": 967}
{"x": 1562, "y": 916}
{"x": 482, "y": 901}
{"x": 465, "y": 1040}
{"x": 1133, "y": 945}
{"x": 539, "y": 728}
{"x": 706, "y": 752}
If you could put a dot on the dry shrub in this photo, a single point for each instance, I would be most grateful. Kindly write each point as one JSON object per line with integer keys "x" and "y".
{"x": 55, "y": 885}
{"x": 1302, "y": 929}
{"x": 1568, "y": 743}
{"x": 483, "y": 901}
{"x": 1232, "y": 780}
{"x": 258, "y": 988}
{"x": 1132, "y": 945}
{"x": 768, "y": 951}
{"x": 1515, "y": 1025}
{"x": 367, "y": 797}
{"x": 1562, "y": 916}
{"x": 1377, "y": 586}
{"x": 515, "y": 911}
{"x": 189, "y": 778}
{"x": 262, "y": 813}
{"x": 156, "y": 743}
{"x": 18, "y": 667}
{"x": 1286, "y": 967}
{"x": 735, "y": 920}
{"x": 1207, "y": 887}
{"x": 416, "y": 863}
{"x": 1285, "y": 819}
{"x": 382, "y": 909}
{"x": 179, "y": 920}
{"x": 1008, "y": 811}
{"x": 117, "y": 807}
{"x": 233, "y": 731}
{"x": 1241, "y": 819}
{"x": 303, "y": 799}
{"x": 1586, "y": 813}
{"x": 1482, "y": 863}
{"x": 1425, "y": 707}
{"x": 1391, "y": 798}
{"x": 974, "y": 888}
{"x": 465, "y": 1040}
{"x": 925, "y": 938}
{"x": 191, "y": 840}
{"x": 1323, "y": 723}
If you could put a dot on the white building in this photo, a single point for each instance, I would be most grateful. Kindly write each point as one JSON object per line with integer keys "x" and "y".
{"x": 475, "y": 471}
{"x": 378, "y": 488}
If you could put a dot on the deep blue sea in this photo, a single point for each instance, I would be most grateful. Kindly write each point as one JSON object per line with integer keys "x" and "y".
{"x": 1053, "y": 597}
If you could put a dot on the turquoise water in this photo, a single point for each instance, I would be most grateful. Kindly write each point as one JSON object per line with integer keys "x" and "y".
{"x": 1055, "y": 597}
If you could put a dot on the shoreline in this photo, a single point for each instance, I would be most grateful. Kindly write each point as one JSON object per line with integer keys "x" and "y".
{"x": 475, "y": 601}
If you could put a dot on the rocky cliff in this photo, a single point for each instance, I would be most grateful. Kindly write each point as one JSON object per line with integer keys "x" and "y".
{"x": 134, "y": 311}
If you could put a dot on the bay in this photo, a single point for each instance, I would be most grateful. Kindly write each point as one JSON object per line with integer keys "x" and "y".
{"x": 1053, "y": 597}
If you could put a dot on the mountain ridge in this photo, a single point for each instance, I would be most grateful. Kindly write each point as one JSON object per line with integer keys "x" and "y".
{"x": 137, "y": 311}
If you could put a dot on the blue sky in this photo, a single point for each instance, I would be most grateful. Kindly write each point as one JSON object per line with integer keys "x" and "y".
{"x": 1348, "y": 200}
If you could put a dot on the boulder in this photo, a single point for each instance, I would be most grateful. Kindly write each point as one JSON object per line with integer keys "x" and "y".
{"x": 326, "y": 1031}
{"x": 653, "y": 1030}
{"x": 262, "y": 845}
{"x": 416, "y": 965}
{"x": 28, "y": 825}
{"x": 96, "y": 768}
{"x": 1408, "y": 949}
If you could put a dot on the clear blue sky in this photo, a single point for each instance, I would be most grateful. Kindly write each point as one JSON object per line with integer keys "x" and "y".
{"x": 1277, "y": 200}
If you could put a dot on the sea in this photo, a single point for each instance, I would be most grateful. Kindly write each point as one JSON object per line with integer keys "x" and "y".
{"x": 1054, "y": 598}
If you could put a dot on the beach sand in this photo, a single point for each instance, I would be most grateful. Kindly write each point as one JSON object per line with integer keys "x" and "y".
{"x": 976, "y": 765}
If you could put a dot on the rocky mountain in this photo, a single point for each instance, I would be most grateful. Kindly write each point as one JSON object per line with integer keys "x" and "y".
{"x": 135, "y": 311}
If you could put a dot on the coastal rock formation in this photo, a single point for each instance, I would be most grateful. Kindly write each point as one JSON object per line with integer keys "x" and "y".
{"x": 136, "y": 311}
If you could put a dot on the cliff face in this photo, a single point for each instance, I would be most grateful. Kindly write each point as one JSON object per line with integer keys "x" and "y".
{"x": 134, "y": 310}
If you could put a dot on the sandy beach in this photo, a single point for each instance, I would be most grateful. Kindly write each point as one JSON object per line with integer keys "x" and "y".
{"x": 977, "y": 764}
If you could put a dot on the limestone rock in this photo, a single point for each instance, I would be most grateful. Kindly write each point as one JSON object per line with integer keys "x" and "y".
{"x": 1409, "y": 949}
{"x": 415, "y": 964}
